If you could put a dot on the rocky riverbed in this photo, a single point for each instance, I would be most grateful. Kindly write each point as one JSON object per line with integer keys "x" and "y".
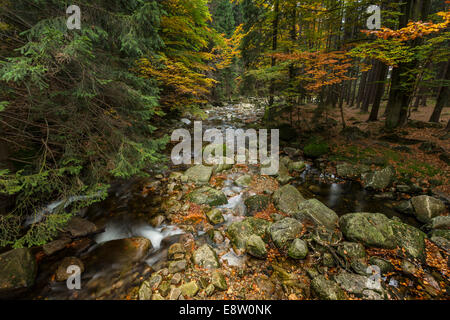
{"x": 315, "y": 231}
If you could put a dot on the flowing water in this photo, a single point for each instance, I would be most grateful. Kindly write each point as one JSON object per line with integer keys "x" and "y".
{"x": 111, "y": 272}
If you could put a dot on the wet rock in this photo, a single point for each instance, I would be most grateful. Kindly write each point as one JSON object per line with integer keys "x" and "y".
{"x": 256, "y": 247}
{"x": 177, "y": 266}
{"x": 359, "y": 285}
{"x": 17, "y": 270}
{"x": 440, "y": 222}
{"x": 176, "y": 251}
{"x": 298, "y": 249}
{"x": 351, "y": 250}
{"x": 208, "y": 196}
{"x": 164, "y": 288}
{"x": 206, "y": 257}
{"x": 441, "y": 243}
{"x": 244, "y": 181}
{"x": 380, "y": 179}
{"x": 239, "y": 232}
{"x": 256, "y": 204}
{"x": 123, "y": 251}
{"x": 154, "y": 281}
{"x": 284, "y": 231}
{"x": 215, "y": 216}
{"x": 405, "y": 207}
{"x": 157, "y": 221}
{"x": 426, "y": 207}
{"x": 327, "y": 289}
{"x": 384, "y": 265}
{"x": 441, "y": 234}
{"x": 199, "y": 174}
{"x": 55, "y": 246}
{"x": 298, "y": 166}
{"x": 349, "y": 171}
{"x": 176, "y": 278}
{"x": 145, "y": 291}
{"x": 62, "y": 273}
{"x": 283, "y": 174}
{"x": 174, "y": 294}
{"x": 218, "y": 281}
{"x": 78, "y": 227}
{"x": 318, "y": 213}
{"x": 189, "y": 289}
{"x": 375, "y": 229}
{"x": 209, "y": 291}
{"x": 372, "y": 229}
{"x": 288, "y": 199}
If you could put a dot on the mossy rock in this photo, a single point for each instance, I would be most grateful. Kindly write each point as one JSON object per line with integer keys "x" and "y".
{"x": 256, "y": 204}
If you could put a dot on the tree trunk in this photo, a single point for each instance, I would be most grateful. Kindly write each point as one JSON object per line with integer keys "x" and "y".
{"x": 370, "y": 88}
{"x": 379, "y": 92}
{"x": 268, "y": 115}
{"x": 362, "y": 87}
{"x": 443, "y": 97}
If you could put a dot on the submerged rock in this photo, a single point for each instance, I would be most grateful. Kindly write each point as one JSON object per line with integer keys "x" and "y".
{"x": 285, "y": 231}
{"x": 17, "y": 270}
{"x": 208, "y": 196}
{"x": 426, "y": 208}
{"x": 288, "y": 199}
{"x": 199, "y": 174}
{"x": 206, "y": 257}
{"x": 319, "y": 213}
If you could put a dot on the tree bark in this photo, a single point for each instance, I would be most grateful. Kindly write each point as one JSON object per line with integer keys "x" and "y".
{"x": 443, "y": 97}
{"x": 379, "y": 92}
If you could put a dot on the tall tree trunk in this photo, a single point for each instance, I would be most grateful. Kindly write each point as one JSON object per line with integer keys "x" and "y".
{"x": 443, "y": 97}
{"x": 362, "y": 87}
{"x": 370, "y": 88}
{"x": 276, "y": 17}
{"x": 379, "y": 92}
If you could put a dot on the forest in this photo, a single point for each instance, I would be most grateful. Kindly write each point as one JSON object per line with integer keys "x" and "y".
{"x": 93, "y": 207}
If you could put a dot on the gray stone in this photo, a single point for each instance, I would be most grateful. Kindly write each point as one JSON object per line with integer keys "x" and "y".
{"x": 215, "y": 216}
{"x": 298, "y": 249}
{"x": 326, "y": 289}
{"x": 176, "y": 252}
{"x": 145, "y": 291}
{"x": 351, "y": 250}
{"x": 199, "y": 174}
{"x": 319, "y": 213}
{"x": 79, "y": 227}
{"x": 206, "y": 257}
{"x": 298, "y": 166}
{"x": 174, "y": 294}
{"x": 243, "y": 181}
{"x": 256, "y": 203}
{"x": 440, "y": 222}
{"x": 55, "y": 246}
{"x": 426, "y": 208}
{"x": 176, "y": 278}
{"x": 384, "y": 265}
{"x": 218, "y": 281}
{"x": 283, "y": 174}
{"x": 208, "y": 196}
{"x": 288, "y": 199}
{"x": 359, "y": 285}
{"x": 210, "y": 290}
{"x": 62, "y": 273}
{"x": 189, "y": 289}
{"x": 380, "y": 179}
{"x": 17, "y": 270}
{"x": 441, "y": 243}
{"x": 177, "y": 266}
{"x": 256, "y": 247}
{"x": 349, "y": 171}
{"x": 239, "y": 232}
{"x": 284, "y": 231}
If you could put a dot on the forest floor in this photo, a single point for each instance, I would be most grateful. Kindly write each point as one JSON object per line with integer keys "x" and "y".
{"x": 427, "y": 167}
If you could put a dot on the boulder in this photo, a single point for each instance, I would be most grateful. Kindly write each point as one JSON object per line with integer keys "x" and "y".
{"x": 215, "y": 216}
{"x": 189, "y": 289}
{"x": 384, "y": 265}
{"x": 298, "y": 249}
{"x": 62, "y": 273}
{"x": 239, "y": 232}
{"x": 285, "y": 231}
{"x": 55, "y": 246}
{"x": 256, "y": 203}
{"x": 441, "y": 243}
{"x": 351, "y": 250}
{"x": 145, "y": 291}
{"x": 199, "y": 174}
{"x": 206, "y": 257}
{"x": 17, "y": 270}
{"x": 218, "y": 281}
{"x": 244, "y": 181}
{"x": 256, "y": 247}
{"x": 361, "y": 286}
{"x": 298, "y": 166}
{"x": 380, "y": 179}
{"x": 441, "y": 234}
{"x": 426, "y": 208}
{"x": 208, "y": 196}
{"x": 283, "y": 176}
{"x": 326, "y": 289}
{"x": 349, "y": 171}
{"x": 288, "y": 199}
{"x": 177, "y": 266}
{"x": 319, "y": 213}
{"x": 78, "y": 227}
{"x": 440, "y": 222}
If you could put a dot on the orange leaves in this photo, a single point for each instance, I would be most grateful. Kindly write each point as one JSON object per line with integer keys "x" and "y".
{"x": 413, "y": 30}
